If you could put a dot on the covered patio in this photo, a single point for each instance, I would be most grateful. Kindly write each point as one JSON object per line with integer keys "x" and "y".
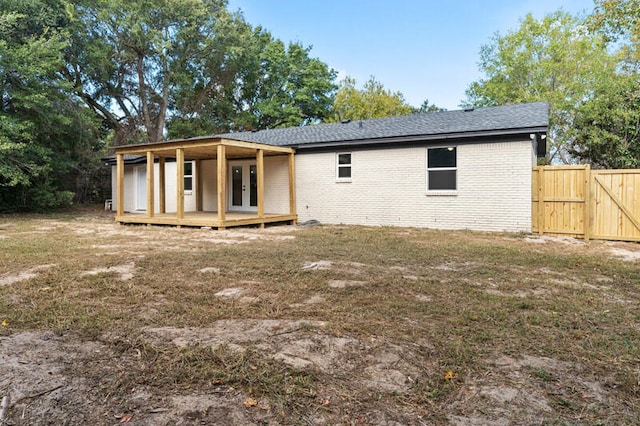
{"x": 200, "y": 150}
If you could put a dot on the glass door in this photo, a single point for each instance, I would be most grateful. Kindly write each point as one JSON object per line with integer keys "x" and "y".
{"x": 243, "y": 188}
{"x": 141, "y": 188}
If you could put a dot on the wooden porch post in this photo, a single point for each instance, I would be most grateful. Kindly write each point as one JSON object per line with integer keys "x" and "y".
{"x": 198, "y": 183}
{"x": 292, "y": 185}
{"x": 222, "y": 178}
{"x": 180, "y": 183}
{"x": 119, "y": 185}
{"x": 162, "y": 189}
{"x": 541, "y": 221}
{"x": 150, "y": 185}
{"x": 260, "y": 171}
{"x": 587, "y": 202}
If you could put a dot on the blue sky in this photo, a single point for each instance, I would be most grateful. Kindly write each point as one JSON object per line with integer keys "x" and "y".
{"x": 422, "y": 48}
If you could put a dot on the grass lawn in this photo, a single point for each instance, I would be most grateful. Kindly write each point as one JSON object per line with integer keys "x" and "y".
{"x": 108, "y": 324}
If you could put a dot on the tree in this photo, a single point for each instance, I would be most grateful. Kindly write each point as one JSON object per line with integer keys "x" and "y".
{"x": 607, "y": 126}
{"x": 619, "y": 22}
{"x": 46, "y": 137}
{"x": 127, "y": 57}
{"x": 373, "y": 101}
{"x": 183, "y": 68}
{"x": 26, "y": 65}
{"x": 555, "y": 59}
{"x": 265, "y": 85}
{"x": 426, "y": 107}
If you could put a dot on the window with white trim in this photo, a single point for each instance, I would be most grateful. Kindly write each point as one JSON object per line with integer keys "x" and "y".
{"x": 343, "y": 166}
{"x": 188, "y": 176}
{"x": 442, "y": 169}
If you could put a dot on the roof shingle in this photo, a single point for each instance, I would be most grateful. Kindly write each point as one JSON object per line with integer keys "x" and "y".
{"x": 507, "y": 119}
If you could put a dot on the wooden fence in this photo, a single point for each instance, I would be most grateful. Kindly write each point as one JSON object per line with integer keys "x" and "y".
{"x": 579, "y": 202}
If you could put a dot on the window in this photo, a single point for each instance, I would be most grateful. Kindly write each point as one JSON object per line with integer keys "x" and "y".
{"x": 188, "y": 176}
{"x": 343, "y": 166}
{"x": 441, "y": 169}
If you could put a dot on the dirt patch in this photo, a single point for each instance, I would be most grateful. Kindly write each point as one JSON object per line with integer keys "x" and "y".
{"x": 302, "y": 345}
{"x": 346, "y": 283}
{"x": 322, "y": 265}
{"x": 456, "y": 266}
{"x": 229, "y": 331}
{"x": 316, "y": 298}
{"x": 40, "y": 378}
{"x": 27, "y": 274}
{"x": 124, "y": 272}
{"x": 626, "y": 255}
{"x": 523, "y": 388}
{"x": 423, "y": 298}
{"x": 523, "y": 294}
{"x": 543, "y": 239}
{"x": 233, "y": 292}
{"x": 35, "y": 378}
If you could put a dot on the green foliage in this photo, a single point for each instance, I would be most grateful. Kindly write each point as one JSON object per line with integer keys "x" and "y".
{"x": 373, "y": 101}
{"x": 45, "y": 135}
{"x": 125, "y": 58}
{"x": 426, "y": 107}
{"x": 20, "y": 160}
{"x": 261, "y": 83}
{"x": 555, "y": 59}
{"x": 189, "y": 68}
{"x": 607, "y": 126}
{"x": 619, "y": 22}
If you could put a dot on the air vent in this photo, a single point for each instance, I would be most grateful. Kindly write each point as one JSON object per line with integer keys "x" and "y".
{"x": 346, "y": 121}
{"x": 469, "y": 109}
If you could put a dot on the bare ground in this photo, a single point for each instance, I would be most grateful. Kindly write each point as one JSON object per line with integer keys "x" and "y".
{"x": 308, "y": 341}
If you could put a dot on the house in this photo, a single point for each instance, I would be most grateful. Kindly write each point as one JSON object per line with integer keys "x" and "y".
{"x": 466, "y": 169}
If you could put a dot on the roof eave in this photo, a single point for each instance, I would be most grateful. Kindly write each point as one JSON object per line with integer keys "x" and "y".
{"x": 422, "y": 138}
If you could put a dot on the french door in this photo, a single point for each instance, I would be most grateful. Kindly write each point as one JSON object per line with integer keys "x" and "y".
{"x": 243, "y": 188}
{"x": 141, "y": 188}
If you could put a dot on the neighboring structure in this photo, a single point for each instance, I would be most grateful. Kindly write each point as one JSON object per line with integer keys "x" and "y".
{"x": 468, "y": 169}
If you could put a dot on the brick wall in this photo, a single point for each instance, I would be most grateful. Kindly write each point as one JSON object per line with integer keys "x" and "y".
{"x": 388, "y": 187}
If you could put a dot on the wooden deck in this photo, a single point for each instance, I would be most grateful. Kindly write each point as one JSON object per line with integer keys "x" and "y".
{"x": 204, "y": 218}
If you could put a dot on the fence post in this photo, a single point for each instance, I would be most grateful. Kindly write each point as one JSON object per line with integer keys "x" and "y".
{"x": 541, "y": 200}
{"x": 587, "y": 202}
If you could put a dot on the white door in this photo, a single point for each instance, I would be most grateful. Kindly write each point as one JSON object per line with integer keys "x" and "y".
{"x": 141, "y": 188}
{"x": 243, "y": 188}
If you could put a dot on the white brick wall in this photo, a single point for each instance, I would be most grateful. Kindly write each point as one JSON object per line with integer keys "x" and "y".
{"x": 388, "y": 187}
{"x": 276, "y": 184}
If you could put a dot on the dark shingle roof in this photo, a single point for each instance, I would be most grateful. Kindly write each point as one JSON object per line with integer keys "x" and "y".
{"x": 508, "y": 119}
{"x": 128, "y": 159}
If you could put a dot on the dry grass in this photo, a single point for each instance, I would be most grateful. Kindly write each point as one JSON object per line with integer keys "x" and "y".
{"x": 530, "y": 332}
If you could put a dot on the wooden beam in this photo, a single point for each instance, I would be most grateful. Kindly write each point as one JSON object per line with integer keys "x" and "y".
{"x": 253, "y": 145}
{"x": 260, "y": 171}
{"x": 151, "y": 209}
{"x": 163, "y": 185}
{"x": 587, "y": 202}
{"x": 222, "y": 179}
{"x": 167, "y": 148}
{"x": 292, "y": 185}
{"x": 119, "y": 185}
{"x": 180, "y": 183}
{"x": 198, "y": 182}
{"x": 541, "y": 220}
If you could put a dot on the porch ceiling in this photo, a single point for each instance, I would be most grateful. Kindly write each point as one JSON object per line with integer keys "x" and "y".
{"x": 203, "y": 148}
